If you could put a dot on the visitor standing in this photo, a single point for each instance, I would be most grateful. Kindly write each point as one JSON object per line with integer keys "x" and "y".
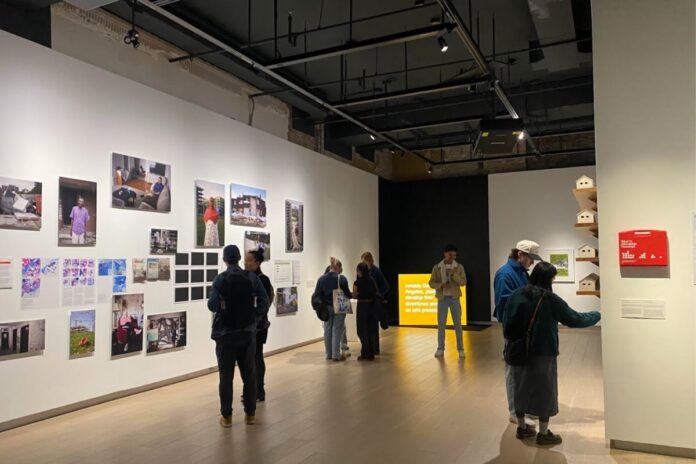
{"x": 366, "y": 292}
{"x": 447, "y": 278}
{"x": 531, "y": 317}
{"x": 238, "y": 301}
{"x": 511, "y": 276}
{"x": 252, "y": 263}
{"x": 334, "y": 328}
{"x": 383, "y": 288}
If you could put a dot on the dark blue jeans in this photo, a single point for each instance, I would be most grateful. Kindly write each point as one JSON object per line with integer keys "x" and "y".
{"x": 237, "y": 349}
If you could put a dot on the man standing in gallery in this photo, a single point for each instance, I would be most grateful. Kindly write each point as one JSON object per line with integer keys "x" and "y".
{"x": 79, "y": 217}
{"x": 511, "y": 276}
{"x": 447, "y": 278}
{"x": 238, "y": 301}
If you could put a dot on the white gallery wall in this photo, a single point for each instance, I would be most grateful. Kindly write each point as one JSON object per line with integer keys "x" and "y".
{"x": 645, "y": 119}
{"x": 63, "y": 117}
{"x": 539, "y": 206}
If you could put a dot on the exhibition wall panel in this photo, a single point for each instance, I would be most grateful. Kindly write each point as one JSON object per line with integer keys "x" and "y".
{"x": 63, "y": 118}
{"x": 539, "y": 206}
{"x": 417, "y": 219}
{"x": 645, "y": 171}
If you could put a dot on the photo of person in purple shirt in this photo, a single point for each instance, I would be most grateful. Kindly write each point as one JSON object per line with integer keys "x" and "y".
{"x": 79, "y": 217}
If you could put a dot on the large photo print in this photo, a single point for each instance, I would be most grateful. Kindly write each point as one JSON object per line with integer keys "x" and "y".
{"x": 23, "y": 337}
{"x": 77, "y": 212}
{"x": 20, "y": 204}
{"x": 247, "y": 206}
{"x": 140, "y": 184}
{"x": 166, "y": 331}
{"x": 127, "y": 323}
{"x": 294, "y": 226}
{"x": 210, "y": 214}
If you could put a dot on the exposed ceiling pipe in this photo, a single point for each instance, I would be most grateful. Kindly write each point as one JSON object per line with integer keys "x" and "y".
{"x": 359, "y": 46}
{"x": 283, "y": 80}
{"x": 478, "y": 57}
{"x": 574, "y": 151}
{"x": 411, "y": 92}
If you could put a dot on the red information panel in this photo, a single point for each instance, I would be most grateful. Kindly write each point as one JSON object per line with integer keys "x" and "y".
{"x": 643, "y": 248}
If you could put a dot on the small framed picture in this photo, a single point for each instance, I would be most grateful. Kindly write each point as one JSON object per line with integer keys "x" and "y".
{"x": 564, "y": 261}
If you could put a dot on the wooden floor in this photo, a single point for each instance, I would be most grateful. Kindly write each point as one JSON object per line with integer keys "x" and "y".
{"x": 407, "y": 407}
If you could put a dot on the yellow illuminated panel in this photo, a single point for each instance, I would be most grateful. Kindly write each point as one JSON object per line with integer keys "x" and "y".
{"x": 417, "y": 301}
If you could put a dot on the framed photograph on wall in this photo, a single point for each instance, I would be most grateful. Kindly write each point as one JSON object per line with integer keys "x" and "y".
{"x": 247, "y": 206}
{"x": 20, "y": 204}
{"x": 564, "y": 260}
{"x": 294, "y": 226}
{"x": 210, "y": 214}
{"x": 140, "y": 184}
{"x": 77, "y": 212}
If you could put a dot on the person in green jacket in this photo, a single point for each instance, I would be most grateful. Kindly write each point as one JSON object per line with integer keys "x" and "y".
{"x": 536, "y": 382}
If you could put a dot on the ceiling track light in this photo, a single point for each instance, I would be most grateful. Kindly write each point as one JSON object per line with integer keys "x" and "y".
{"x": 443, "y": 44}
{"x": 132, "y": 37}
{"x": 430, "y": 168}
{"x": 521, "y": 136}
{"x": 373, "y": 137}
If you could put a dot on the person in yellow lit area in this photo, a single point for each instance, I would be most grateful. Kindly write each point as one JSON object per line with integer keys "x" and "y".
{"x": 446, "y": 279}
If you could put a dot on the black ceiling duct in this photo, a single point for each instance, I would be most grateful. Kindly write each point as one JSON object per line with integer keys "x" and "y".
{"x": 498, "y": 136}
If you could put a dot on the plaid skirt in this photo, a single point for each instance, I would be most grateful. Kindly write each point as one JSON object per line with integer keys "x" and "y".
{"x": 536, "y": 386}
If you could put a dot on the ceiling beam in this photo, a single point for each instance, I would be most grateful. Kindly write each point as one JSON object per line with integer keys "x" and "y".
{"x": 358, "y": 46}
{"x": 454, "y": 85}
{"x": 271, "y": 73}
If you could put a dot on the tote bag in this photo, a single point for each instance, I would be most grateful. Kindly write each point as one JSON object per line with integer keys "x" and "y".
{"x": 341, "y": 303}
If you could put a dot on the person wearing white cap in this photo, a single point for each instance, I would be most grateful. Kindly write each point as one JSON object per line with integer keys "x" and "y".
{"x": 511, "y": 276}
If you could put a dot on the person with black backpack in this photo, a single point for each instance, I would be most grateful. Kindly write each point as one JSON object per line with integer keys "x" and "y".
{"x": 238, "y": 301}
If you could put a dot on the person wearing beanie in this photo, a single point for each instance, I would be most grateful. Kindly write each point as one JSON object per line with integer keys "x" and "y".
{"x": 238, "y": 301}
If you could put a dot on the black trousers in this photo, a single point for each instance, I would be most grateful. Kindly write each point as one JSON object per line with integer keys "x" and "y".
{"x": 367, "y": 329}
{"x": 237, "y": 349}
{"x": 260, "y": 364}
{"x": 375, "y": 342}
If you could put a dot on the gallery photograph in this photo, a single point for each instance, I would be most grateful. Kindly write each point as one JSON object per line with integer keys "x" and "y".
{"x": 327, "y": 231}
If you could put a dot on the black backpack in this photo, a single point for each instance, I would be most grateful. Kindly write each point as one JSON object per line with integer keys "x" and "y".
{"x": 237, "y": 311}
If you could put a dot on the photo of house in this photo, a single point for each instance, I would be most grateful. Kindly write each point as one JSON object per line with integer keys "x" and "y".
{"x": 247, "y": 206}
{"x": 140, "y": 184}
{"x": 77, "y": 212}
{"x": 166, "y": 331}
{"x": 23, "y": 337}
{"x": 20, "y": 204}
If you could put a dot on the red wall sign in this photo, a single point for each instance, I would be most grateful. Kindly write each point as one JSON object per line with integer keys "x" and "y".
{"x": 643, "y": 248}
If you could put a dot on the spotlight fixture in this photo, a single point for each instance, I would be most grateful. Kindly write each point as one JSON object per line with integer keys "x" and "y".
{"x": 392, "y": 151}
{"x": 132, "y": 37}
{"x": 443, "y": 44}
{"x": 373, "y": 137}
{"x": 520, "y": 136}
{"x": 430, "y": 169}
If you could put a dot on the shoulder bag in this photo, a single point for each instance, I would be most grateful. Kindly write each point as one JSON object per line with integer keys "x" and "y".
{"x": 517, "y": 351}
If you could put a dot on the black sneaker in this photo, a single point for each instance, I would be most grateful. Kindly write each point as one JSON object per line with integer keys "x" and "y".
{"x": 548, "y": 438}
{"x": 527, "y": 432}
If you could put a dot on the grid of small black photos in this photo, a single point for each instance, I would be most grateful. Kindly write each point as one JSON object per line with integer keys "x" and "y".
{"x": 194, "y": 273}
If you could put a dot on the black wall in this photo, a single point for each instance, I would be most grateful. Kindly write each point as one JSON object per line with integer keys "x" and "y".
{"x": 416, "y": 221}
{"x": 32, "y": 24}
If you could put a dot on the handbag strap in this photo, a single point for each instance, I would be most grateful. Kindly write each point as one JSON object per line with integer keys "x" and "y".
{"x": 527, "y": 336}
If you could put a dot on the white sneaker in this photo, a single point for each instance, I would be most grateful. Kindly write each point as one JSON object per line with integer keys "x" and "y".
{"x": 461, "y": 353}
{"x": 439, "y": 353}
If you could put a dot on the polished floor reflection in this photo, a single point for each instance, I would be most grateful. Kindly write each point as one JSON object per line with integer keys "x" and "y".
{"x": 407, "y": 407}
